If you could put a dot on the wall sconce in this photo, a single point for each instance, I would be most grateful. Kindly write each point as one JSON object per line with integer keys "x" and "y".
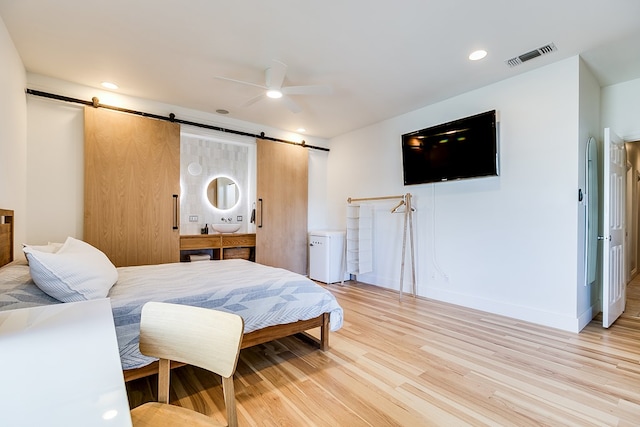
{"x": 194, "y": 168}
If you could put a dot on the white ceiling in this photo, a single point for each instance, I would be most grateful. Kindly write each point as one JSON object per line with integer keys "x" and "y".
{"x": 381, "y": 58}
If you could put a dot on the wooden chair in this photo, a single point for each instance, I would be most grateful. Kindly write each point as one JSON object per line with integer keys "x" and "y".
{"x": 201, "y": 337}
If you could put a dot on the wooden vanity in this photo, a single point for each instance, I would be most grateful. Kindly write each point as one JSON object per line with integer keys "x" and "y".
{"x": 222, "y": 246}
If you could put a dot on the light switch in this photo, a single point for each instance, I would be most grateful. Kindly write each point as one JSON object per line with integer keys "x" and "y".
{"x": 193, "y": 218}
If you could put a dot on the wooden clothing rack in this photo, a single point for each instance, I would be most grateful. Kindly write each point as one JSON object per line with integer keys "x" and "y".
{"x": 406, "y": 201}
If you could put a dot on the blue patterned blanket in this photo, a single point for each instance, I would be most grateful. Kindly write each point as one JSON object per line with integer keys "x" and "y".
{"x": 263, "y": 296}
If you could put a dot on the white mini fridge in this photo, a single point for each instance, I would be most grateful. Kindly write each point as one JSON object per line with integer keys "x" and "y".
{"x": 326, "y": 249}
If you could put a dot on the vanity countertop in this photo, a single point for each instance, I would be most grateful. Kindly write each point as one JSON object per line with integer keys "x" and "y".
{"x": 214, "y": 234}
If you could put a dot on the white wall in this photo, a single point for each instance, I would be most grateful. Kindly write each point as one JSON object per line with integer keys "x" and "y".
{"x": 55, "y": 189}
{"x": 503, "y": 244}
{"x": 55, "y": 179}
{"x": 13, "y": 135}
{"x": 621, "y": 109}
{"x": 587, "y": 294}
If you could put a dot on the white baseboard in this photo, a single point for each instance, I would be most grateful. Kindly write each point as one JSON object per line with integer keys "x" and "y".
{"x": 527, "y": 314}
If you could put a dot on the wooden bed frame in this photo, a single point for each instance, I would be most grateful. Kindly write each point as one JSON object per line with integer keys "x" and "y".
{"x": 6, "y": 236}
{"x": 249, "y": 340}
{"x": 258, "y": 337}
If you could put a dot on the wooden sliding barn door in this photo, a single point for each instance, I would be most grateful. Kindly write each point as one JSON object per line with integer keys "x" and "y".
{"x": 131, "y": 187}
{"x": 281, "y": 217}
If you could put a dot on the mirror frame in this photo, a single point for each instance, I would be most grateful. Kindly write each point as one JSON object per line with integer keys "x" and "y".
{"x": 214, "y": 194}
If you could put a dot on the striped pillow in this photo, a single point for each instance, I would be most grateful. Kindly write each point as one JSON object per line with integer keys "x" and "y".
{"x": 76, "y": 272}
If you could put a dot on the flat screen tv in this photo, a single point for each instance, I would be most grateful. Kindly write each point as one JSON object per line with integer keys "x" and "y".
{"x": 461, "y": 149}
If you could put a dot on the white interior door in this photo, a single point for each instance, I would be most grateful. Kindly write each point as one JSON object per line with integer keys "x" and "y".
{"x": 613, "y": 264}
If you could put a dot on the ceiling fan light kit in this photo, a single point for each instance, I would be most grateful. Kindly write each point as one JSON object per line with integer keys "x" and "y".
{"x": 273, "y": 87}
{"x": 274, "y": 94}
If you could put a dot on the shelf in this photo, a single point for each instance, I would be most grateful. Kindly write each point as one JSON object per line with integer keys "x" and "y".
{"x": 220, "y": 243}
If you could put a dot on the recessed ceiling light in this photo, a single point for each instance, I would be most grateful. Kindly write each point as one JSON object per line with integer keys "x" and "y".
{"x": 477, "y": 55}
{"x": 109, "y": 85}
{"x": 275, "y": 94}
{"x": 222, "y": 111}
{"x": 301, "y": 130}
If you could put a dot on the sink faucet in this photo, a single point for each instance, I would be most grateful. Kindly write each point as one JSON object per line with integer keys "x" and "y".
{"x": 226, "y": 219}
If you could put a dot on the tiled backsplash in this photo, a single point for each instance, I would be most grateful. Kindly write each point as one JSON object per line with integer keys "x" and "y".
{"x": 216, "y": 159}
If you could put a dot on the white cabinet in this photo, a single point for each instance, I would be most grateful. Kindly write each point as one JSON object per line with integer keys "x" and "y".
{"x": 326, "y": 250}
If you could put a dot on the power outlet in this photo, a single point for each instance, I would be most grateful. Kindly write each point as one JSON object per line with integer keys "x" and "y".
{"x": 193, "y": 218}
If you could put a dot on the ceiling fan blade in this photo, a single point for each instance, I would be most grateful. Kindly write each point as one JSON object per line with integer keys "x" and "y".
{"x": 240, "y": 81}
{"x": 307, "y": 90}
{"x": 274, "y": 75}
{"x": 291, "y": 105}
{"x": 253, "y": 100}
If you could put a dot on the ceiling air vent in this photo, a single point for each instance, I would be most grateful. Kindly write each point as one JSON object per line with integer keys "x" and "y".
{"x": 530, "y": 55}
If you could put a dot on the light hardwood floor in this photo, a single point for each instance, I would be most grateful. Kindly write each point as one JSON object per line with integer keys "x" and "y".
{"x": 422, "y": 363}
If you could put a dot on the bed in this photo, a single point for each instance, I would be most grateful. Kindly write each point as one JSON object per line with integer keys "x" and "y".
{"x": 273, "y": 302}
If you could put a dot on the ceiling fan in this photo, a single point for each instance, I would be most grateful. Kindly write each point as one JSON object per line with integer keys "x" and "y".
{"x": 273, "y": 88}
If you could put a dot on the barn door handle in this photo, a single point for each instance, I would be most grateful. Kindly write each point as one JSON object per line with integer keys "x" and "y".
{"x": 259, "y": 213}
{"x": 175, "y": 211}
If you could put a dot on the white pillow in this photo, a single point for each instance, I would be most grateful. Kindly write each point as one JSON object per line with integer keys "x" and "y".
{"x": 76, "y": 272}
{"x": 51, "y": 248}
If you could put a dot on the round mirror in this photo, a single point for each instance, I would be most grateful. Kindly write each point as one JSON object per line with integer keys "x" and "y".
{"x": 223, "y": 193}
